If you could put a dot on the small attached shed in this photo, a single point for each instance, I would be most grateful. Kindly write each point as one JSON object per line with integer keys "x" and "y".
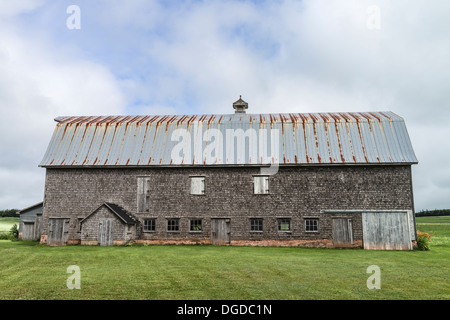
{"x": 30, "y": 222}
{"x": 107, "y": 225}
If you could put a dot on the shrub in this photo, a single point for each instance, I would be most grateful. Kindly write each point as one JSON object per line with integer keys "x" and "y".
{"x": 4, "y": 235}
{"x": 423, "y": 241}
{"x": 14, "y": 232}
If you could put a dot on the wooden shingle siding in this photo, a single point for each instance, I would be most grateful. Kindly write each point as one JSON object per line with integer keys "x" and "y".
{"x": 295, "y": 192}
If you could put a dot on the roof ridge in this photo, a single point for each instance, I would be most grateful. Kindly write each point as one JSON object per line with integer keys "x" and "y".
{"x": 274, "y": 117}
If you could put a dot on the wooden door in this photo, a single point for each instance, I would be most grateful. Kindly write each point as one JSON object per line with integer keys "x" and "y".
{"x": 28, "y": 230}
{"x": 386, "y": 230}
{"x": 220, "y": 231}
{"x": 57, "y": 231}
{"x": 342, "y": 232}
{"x": 105, "y": 232}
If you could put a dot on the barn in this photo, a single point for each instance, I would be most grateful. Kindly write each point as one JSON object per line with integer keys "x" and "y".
{"x": 30, "y": 222}
{"x": 288, "y": 179}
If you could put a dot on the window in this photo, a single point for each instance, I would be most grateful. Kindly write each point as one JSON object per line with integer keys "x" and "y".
{"x": 149, "y": 225}
{"x": 256, "y": 224}
{"x": 173, "y": 225}
{"x": 198, "y": 185}
{"x": 284, "y": 224}
{"x": 261, "y": 184}
{"x": 311, "y": 225}
{"x": 195, "y": 225}
{"x": 79, "y": 224}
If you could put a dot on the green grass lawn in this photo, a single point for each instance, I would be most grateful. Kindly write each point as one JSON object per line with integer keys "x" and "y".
{"x": 32, "y": 271}
{"x": 7, "y": 222}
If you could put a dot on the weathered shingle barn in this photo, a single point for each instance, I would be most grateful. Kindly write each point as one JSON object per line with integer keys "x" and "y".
{"x": 322, "y": 179}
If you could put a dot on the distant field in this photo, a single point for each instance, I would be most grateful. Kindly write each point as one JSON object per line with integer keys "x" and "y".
{"x": 32, "y": 271}
{"x": 7, "y": 222}
{"x": 438, "y": 227}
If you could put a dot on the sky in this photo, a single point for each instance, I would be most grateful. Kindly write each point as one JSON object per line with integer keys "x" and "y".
{"x": 138, "y": 57}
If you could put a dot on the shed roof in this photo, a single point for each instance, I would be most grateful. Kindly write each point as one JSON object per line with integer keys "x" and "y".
{"x": 230, "y": 139}
{"x": 117, "y": 210}
{"x": 34, "y": 206}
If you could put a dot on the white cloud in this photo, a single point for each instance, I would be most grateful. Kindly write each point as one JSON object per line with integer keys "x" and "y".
{"x": 192, "y": 57}
{"x": 312, "y": 56}
{"x": 10, "y": 8}
{"x": 38, "y": 83}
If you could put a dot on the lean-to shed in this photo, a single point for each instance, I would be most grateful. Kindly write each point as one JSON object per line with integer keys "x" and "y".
{"x": 30, "y": 222}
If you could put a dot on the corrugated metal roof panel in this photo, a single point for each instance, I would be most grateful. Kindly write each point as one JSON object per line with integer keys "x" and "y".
{"x": 235, "y": 139}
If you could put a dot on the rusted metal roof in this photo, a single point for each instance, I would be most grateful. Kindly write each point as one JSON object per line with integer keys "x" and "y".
{"x": 230, "y": 139}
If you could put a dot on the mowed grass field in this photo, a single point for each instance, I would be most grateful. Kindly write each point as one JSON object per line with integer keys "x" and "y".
{"x": 7, "y": 222}
{"x": 32, "y": 271}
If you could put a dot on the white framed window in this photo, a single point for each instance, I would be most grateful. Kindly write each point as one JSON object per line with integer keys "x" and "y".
{"x": 198, "y": 185}
{"x": 260, "y": 184}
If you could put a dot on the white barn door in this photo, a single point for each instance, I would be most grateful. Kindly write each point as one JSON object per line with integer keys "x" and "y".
{"x": 386, "y": 230}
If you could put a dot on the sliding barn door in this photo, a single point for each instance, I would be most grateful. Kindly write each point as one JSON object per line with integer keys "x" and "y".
{"x": 386, "y": 230}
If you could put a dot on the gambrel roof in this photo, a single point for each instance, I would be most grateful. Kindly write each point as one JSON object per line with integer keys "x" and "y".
{"x": 232, "y": 139}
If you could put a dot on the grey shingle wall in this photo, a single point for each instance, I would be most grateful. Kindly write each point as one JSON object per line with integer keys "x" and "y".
{"x": 294, "y": 192}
